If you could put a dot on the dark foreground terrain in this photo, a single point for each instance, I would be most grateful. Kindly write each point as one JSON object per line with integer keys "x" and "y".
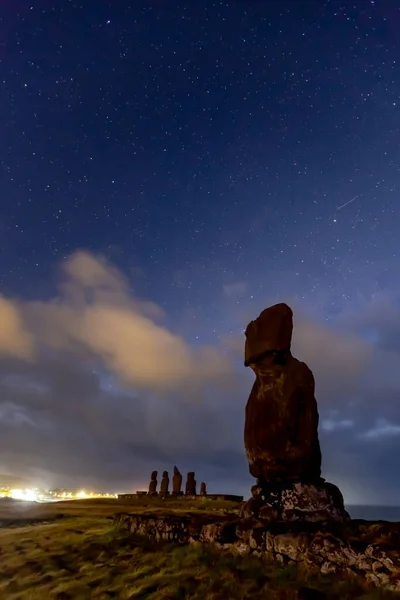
{"x": 71, "y": 550}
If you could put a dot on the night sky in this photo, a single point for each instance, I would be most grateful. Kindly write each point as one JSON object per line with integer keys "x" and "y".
{"x": 168, "y": 170}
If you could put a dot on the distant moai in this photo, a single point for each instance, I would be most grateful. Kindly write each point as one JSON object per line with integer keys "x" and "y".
{"x": 176, "y": 482}
{"x": 164, "y": 484}
{"x": 153, "y": 484}
{"x": 190, "y": 484}
{"x": 203, "y": 489}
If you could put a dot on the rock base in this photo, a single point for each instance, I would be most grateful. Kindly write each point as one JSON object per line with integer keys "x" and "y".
{"x": 367, "y": 549}
{"x": 295, "y": 501}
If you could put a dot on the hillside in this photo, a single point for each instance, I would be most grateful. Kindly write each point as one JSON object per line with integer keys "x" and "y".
{"x": 71, "y": 550}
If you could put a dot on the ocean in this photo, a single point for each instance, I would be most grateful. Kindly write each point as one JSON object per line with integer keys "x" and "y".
{"x": 374, "y": 513}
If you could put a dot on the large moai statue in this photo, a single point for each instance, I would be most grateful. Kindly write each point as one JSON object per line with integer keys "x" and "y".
{"x": 190, "y": 489}
{"x": 281, "y": 427}
{"x": 203, "y": 489}
{"x": 153, "y": 484}
{"x": 176, "y": 482}
{"x": 164, "y": 484}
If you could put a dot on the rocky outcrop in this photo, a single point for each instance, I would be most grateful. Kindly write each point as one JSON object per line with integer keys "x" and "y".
{"x": 203, "y": 489}
{"x": 176, "y": 482}
{"x": 370, "y": 550}
{"x": 153, "y": 484}
{"x": 190, "y": 489}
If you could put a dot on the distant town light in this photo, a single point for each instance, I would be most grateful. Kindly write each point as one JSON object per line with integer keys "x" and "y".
{"x": 42, "y": 495}
{"x": 28, "y": 495}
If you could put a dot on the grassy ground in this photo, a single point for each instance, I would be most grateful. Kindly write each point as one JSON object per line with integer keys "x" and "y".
{"x": 11, "y": 510}
{"x": 84, "y": 557}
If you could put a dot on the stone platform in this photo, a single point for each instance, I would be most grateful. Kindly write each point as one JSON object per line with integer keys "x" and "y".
{"x": 181, "y": 496}
{"x": 296, "y": 501}
{"x": 230, "y": 497}
{"x": 368, "y": 549}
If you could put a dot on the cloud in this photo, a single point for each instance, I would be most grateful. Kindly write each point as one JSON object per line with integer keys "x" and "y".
{"x": 95, "y": 389}
{"x": 332, "y": 424}
{"x": 329, "y": 353}
{"x": 378, "y": 321}
{"x": 97, "y": 315}
{"x": 58, "y": 417}
{"x": 381, "y": 430}
{"x": 61, "y": 415}
{"x": 14, "y": 339}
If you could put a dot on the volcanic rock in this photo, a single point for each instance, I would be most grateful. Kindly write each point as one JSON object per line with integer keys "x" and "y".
{"x": 190, "y": 484}
{"x": 281, "y": 428}
{"x": 270, "y": 332}
{"x": 153, "y": 484}
{"x": 281, "y": 425}
{"x": 176, "y": 482}
{"x": 367, "y": 549}
{"x": 164, "y": 484}
{"x": 296, "y": 501}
